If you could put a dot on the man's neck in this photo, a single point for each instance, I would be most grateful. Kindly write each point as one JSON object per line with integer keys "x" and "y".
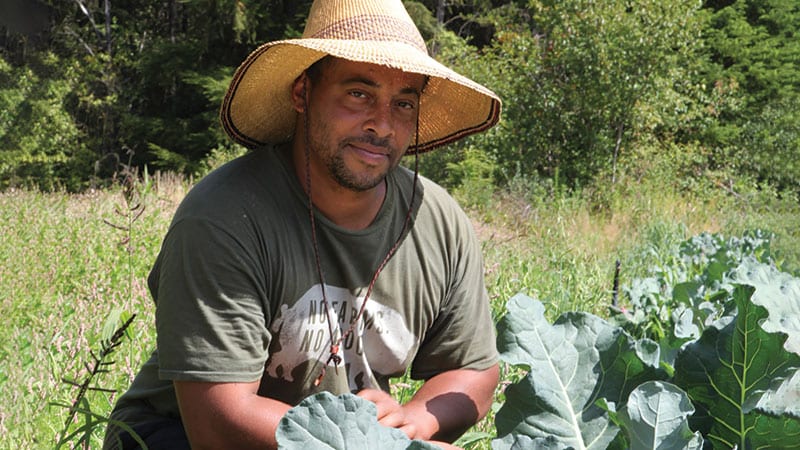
{"x": 349, "y": 209}
{"x": 346, "y": 208}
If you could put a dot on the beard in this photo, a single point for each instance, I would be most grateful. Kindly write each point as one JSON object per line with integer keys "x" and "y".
{"x": 352, "y": 180}
{"x": 332, "y": 156}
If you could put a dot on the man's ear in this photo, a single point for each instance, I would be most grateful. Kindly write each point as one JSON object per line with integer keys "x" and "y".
{"x": 299, "y": 87}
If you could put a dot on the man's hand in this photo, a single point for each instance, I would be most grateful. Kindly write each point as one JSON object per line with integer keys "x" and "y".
{"x": 390, "y": 413}
{"x": 443, "y": 408}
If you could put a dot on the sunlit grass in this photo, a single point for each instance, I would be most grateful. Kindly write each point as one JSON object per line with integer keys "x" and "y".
{"x": 63, "y": 271}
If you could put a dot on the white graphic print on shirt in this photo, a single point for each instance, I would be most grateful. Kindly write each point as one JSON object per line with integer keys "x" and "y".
{"x": 380, "y": 341}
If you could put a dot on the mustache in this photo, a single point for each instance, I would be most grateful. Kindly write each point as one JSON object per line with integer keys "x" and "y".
{"x": 369, "y": 139}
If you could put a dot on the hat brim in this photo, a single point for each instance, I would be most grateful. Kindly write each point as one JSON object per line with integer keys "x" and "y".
{"x": 257, "y": 109}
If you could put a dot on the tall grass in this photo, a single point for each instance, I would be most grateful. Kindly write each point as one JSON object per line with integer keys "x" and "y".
{"x": 65, "y": 274}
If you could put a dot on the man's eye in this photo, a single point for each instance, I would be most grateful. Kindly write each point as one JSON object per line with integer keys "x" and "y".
{"x": 358, "y": 94}
{"x": 406, "y": 105}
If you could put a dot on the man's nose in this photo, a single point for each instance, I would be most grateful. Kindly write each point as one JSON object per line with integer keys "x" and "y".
{"x": 380, "y": 120}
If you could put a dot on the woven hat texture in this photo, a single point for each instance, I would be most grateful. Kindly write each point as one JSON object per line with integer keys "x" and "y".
{"x": 257, "y": 109}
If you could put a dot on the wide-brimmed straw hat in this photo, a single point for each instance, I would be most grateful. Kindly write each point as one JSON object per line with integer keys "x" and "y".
{"x": 257, "y": 109}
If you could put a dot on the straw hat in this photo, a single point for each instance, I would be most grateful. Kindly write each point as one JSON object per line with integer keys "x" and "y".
{"x": 257, "y": 108}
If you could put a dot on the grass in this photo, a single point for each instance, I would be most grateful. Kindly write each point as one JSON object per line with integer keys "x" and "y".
{"x": 63, "y": 273}
{"x": 67, "y": 277}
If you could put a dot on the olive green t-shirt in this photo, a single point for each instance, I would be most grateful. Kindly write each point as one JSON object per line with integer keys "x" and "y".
{"x": 238, "y": 296}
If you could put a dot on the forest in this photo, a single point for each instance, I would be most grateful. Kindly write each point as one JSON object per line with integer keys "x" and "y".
{"x": 592, "y": 91}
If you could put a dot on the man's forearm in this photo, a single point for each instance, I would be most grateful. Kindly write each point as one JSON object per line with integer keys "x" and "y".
{"x": 451, "y": 402}
{"x": 228, "y": 415}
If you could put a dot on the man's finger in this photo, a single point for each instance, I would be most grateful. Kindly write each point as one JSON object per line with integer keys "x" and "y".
{"x": 384, "y": 402}
{"x": 373, "y": 395}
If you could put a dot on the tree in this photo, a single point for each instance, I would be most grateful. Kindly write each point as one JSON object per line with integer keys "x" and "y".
{"x": 140, "y": 77}
{"x": 577, "y": 76}
{"x": 754, "y": 47}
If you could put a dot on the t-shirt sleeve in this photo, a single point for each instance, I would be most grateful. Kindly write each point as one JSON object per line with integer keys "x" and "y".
{"x": 210, "y": 313}
{"x": 462, "y": 335}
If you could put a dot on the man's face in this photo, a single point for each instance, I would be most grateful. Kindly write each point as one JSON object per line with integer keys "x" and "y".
{"x": 362, "y": 118}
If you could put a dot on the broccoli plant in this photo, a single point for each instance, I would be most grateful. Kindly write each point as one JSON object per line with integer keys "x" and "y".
{"x": 724, "y": 373}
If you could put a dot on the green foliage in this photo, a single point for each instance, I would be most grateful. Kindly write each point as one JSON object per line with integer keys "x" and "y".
{"x": 754, "y": 43}
{"x": 769, "y": 143}
{"x": 683, "y": 294}
{"x": 142, "y": 78}
{"x": 747, "y": 41}
{"x": 733, "y": 326}
{"x": 572, "y": 364}
{"x": 577, "y": 79}
{"x": 607, "y": 65}
{"x": 174, "y": 124}
{"x": 655, "y": 416}
{"x": 473, "y": 176}
{"x": 732, "y": 364}
{"x": 347, "y": 421}
{"x": 586, "y": 85}
{"x": 40, "y": 145}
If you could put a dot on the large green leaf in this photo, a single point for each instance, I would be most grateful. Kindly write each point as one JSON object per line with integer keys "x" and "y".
{"x": 572, "y": 364}
{"x": 730, "y": 367}
{"x": 655, "y": 417}
{"x": 523, "y": 442}
{"x": 324, "y": 422}
{"x": 779, "y": 293}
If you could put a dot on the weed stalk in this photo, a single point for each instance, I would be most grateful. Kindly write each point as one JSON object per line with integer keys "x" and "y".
{"x": 97, "y": 366}
{"x": 130, "y": 212}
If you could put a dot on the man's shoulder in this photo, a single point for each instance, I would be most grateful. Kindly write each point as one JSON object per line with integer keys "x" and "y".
{"x": 429, "y": 190}
{"x": 436, "y": 206}
{"x": 246, "y": 189}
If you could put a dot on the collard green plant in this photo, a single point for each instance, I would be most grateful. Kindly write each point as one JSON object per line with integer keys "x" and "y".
{"x": 572, "y": 364}
{"x": 686, "y": 294}
{"x": 777, "y": 291}
{"x": 325, "y": 421}
{"x": 727, "y": 372}
{"x": 731, "y": 324}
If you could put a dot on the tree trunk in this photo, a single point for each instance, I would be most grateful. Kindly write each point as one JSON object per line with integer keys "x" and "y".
{"x": 107, "y": 11}
{"x": 173, "y": 18}
{"x": 620, "y": 131}
{"x": 440, "y": 4}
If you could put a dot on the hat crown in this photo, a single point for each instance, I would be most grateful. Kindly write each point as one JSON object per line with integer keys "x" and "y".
{"x": 363, "y": 20}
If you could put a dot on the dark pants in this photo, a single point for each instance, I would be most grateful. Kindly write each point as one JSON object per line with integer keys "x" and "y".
{"x": 167, "y": 434}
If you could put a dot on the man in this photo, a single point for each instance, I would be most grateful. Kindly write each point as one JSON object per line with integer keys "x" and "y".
{"x": 316, "y": 263}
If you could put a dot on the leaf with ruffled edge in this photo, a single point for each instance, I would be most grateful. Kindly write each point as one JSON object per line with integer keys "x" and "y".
{"x": 779, "y": 293}
{"x": 572, "y": 364}
{"x": 731, "y": 366}
{"x": 324, "y": 422}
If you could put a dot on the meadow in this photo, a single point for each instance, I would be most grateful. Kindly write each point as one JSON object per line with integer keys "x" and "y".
{"x": 74, "y": 266}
